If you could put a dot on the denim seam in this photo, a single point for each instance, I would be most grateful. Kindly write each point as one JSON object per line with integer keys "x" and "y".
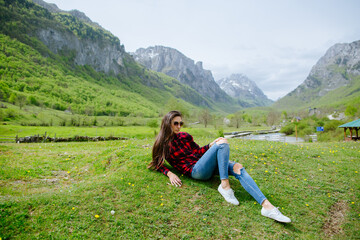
{"x": 259, "y": 196}
{"x": 255, "y": 193}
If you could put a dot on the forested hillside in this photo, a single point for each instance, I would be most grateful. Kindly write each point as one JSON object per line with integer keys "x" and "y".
{"x": 47, "y": 71}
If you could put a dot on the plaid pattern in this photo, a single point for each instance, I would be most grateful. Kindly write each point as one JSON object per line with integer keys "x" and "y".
{"x": 183, "y": 153}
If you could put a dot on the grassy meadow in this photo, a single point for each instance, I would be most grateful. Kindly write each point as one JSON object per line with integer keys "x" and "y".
{"x": 69, "y": 190}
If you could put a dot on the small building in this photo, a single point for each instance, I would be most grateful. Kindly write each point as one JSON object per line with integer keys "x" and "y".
{"x": 354, "y": 125}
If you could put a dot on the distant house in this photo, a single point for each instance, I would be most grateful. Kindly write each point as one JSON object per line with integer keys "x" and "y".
{"x": 226, "y": 121}
{"x": 354, "y": 125}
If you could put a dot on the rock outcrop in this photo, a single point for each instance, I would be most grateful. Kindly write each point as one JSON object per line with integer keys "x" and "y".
{"x": 102, "y": 55}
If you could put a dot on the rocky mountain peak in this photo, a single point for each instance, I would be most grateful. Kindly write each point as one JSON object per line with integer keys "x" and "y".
{"x": 335, "y": 69}
{"x": 239, "y": 86}
{"x": 175, "y": 64}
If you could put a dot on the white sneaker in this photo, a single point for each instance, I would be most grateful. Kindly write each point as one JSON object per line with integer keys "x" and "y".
{"x": 275, "y": 214}
{"x": 228, "y": 195}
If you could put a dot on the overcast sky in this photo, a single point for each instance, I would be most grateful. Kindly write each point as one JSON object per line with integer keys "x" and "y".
{"x": 275, "y": 43}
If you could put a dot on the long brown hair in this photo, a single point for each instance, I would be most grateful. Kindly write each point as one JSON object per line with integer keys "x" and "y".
{"x": 161, "y": 145}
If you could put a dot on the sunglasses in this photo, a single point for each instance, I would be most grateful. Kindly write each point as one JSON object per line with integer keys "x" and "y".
{"x": 178, "y": 123}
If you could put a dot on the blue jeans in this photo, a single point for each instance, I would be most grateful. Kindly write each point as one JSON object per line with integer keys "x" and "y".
{"x": 217, "y": 158}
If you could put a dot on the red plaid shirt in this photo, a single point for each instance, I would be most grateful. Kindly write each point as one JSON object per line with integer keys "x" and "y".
{"x": 183, "y": 153}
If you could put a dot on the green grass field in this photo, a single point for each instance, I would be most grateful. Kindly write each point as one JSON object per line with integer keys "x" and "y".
{"x": 139, "y": 132}
{"x": 68, "y": 190}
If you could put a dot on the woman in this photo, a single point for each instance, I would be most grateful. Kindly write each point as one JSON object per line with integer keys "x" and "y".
{"x": 181, "y": 152}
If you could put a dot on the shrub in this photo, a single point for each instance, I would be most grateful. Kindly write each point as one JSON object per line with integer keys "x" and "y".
{"x": 221, "y": 132}
{"x": 120, "y": 122}
{"x": 332, "y": 125}
{"x": 330, "y": 136}
{"x": 94, "y": 122}
{"x": 320, "y": 123}
{"x": 10, "y": 114}
{"x": 307, "y": 131}
{"x": 288, "y": 129}
{"x": 63, "y": 123}
{"x": 152, "y": 123}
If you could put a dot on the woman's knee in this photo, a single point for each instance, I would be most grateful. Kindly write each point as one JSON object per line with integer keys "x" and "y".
{"x": 201, "y": 176}
{"x": 237, "y": 167}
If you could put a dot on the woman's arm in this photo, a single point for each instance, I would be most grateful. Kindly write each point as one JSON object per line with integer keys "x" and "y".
{"x": 163, "y": 169}
{"x": 174, "y": 179}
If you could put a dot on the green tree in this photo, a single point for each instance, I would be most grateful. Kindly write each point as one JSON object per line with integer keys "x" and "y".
{"x": 21, "y": 100}
{"x": 32, "y": 100}
{"x": 273, "y": 117}
{"x": 4, "y": 91}
{"x": 247, "y": 118}
{"x": 350, "y": 111}
{"x": 205, "y": 116}
{"x": 237, "y": 119}
{"x": 12, "y": 98}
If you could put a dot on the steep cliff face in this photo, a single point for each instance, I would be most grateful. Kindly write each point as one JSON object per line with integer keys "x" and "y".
{"x": 102, "y": 55}
{"x": 89, "y": 44}
{"x": 175, "y": 64}
{"x": 339, "y": 67}
{"x": 241, "y": 87}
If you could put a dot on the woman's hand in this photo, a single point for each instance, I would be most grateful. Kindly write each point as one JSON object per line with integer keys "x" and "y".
{"x": 219, "y": 140}
{"x": 174, "y": 179}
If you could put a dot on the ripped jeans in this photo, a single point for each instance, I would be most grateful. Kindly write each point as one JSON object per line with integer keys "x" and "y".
{"x": 217, "y": 158}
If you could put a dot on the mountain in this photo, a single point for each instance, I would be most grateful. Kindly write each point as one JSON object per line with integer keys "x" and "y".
{"x": 62, "y": 60}
{"x": 241, "y": 87}
{"x": 175, "y": 64}
{"x": 51, "y": 7}
{"x": 334, "y": 81}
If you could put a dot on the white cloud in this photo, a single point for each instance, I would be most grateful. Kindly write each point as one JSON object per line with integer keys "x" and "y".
{"x": 275, "y": 43}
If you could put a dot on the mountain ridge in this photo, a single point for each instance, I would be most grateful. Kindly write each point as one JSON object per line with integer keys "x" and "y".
{"x": 53, "y": 8}
{"x": 241, "y": 87}
{"x": 337, "y": 71}
{"x": 175, "y": 64}
{"x": 78, "y": 67}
